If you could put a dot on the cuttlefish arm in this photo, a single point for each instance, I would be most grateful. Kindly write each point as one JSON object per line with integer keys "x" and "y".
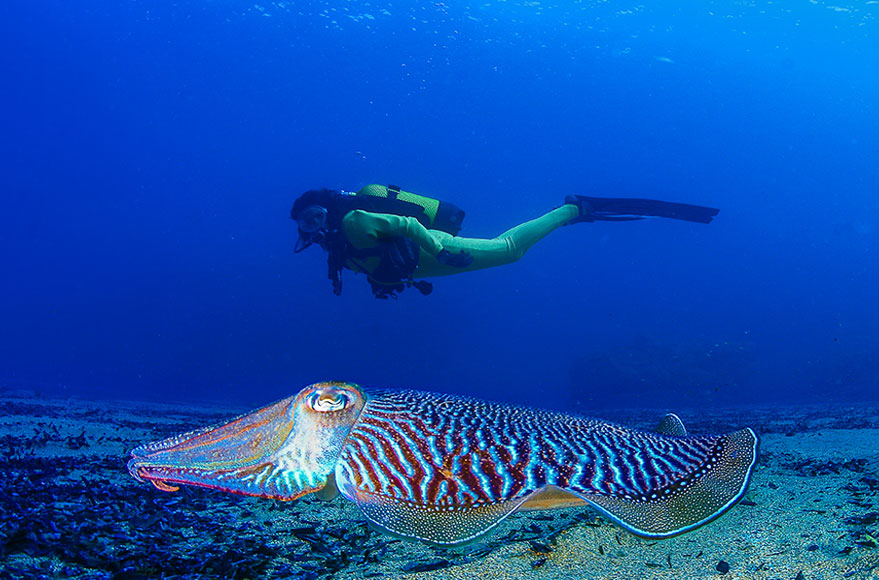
{"x": 282, "y": 451}
{"x": 446, "y": 470}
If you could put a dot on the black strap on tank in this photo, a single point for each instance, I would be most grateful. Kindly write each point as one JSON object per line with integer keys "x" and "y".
{"x": 393, "y": 191}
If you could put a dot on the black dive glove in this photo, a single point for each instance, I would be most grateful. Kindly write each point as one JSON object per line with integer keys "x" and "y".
{"x": 460, "y": 260}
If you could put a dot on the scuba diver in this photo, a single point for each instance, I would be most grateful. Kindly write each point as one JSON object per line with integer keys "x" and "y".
{"x": 396, "y": 237}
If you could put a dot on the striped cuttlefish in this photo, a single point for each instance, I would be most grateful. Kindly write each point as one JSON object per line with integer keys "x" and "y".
{"x": 447, "y": 469}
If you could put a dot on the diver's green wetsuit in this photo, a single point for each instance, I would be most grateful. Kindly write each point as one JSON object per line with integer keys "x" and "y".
{"x": 364, "y": 230}
{"x": 397, "y": 237}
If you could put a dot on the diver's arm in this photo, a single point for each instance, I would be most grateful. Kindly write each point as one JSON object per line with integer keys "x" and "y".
{"x": 364, "y": 228}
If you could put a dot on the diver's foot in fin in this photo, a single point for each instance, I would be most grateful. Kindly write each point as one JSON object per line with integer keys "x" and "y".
{"x": 583, "y": 206}
{"x": 619, "y": 209}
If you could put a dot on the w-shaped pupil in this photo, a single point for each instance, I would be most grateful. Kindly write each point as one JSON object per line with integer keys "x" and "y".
{"x": 329, "y": 402}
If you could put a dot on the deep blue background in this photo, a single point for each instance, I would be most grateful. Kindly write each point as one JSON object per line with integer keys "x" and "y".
{"x": 150, "y": 153}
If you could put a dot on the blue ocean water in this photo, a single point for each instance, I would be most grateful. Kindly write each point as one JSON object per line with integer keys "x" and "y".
{"x": 151, "y": 152}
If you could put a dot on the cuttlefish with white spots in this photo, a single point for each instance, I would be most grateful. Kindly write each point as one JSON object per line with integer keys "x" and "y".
{"x": 446, "y": 470}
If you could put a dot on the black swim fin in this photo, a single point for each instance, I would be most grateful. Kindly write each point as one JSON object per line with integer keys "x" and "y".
{"x": 618, "y": 209}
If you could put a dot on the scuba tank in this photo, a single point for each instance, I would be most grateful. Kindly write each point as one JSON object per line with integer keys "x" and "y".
{"x": 398, "y": 255}
{"x": 441, "y": 215}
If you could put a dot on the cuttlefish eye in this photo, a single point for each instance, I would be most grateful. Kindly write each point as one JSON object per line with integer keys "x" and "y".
{"x": 328, "y": 401}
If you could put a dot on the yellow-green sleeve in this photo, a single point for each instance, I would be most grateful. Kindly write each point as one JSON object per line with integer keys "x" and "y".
{"x": 365, "y": 228}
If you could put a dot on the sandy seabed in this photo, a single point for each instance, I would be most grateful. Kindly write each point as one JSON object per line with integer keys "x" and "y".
{"x": 69, "y": 509}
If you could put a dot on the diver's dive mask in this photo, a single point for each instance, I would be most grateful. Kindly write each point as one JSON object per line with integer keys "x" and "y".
{"x": 312, "y": 221}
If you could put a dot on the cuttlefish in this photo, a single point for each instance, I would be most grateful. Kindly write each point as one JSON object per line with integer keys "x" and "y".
{"x": 446, "y": 470}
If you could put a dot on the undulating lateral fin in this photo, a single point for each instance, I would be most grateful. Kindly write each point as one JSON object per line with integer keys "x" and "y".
{"x": 690, "y": 502}
{"x": 550, "y": 498}
{"x": 671, "y": 424}
{"x": 439, "y": 525}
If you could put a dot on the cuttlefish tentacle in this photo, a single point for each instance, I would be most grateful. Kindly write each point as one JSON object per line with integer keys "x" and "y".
{"x": 164, "y": 486}
{"x": 447, "y": 469}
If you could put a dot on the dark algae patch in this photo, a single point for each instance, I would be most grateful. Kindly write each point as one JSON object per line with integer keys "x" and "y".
{"x": 86, "y": 525}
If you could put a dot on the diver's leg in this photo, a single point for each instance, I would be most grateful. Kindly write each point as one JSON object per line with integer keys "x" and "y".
{"x": 504, "y": 249}
{"x": 522, "y": 237}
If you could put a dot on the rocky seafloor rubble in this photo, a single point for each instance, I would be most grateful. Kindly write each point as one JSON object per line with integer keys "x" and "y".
{"x": 69, "y": 509}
